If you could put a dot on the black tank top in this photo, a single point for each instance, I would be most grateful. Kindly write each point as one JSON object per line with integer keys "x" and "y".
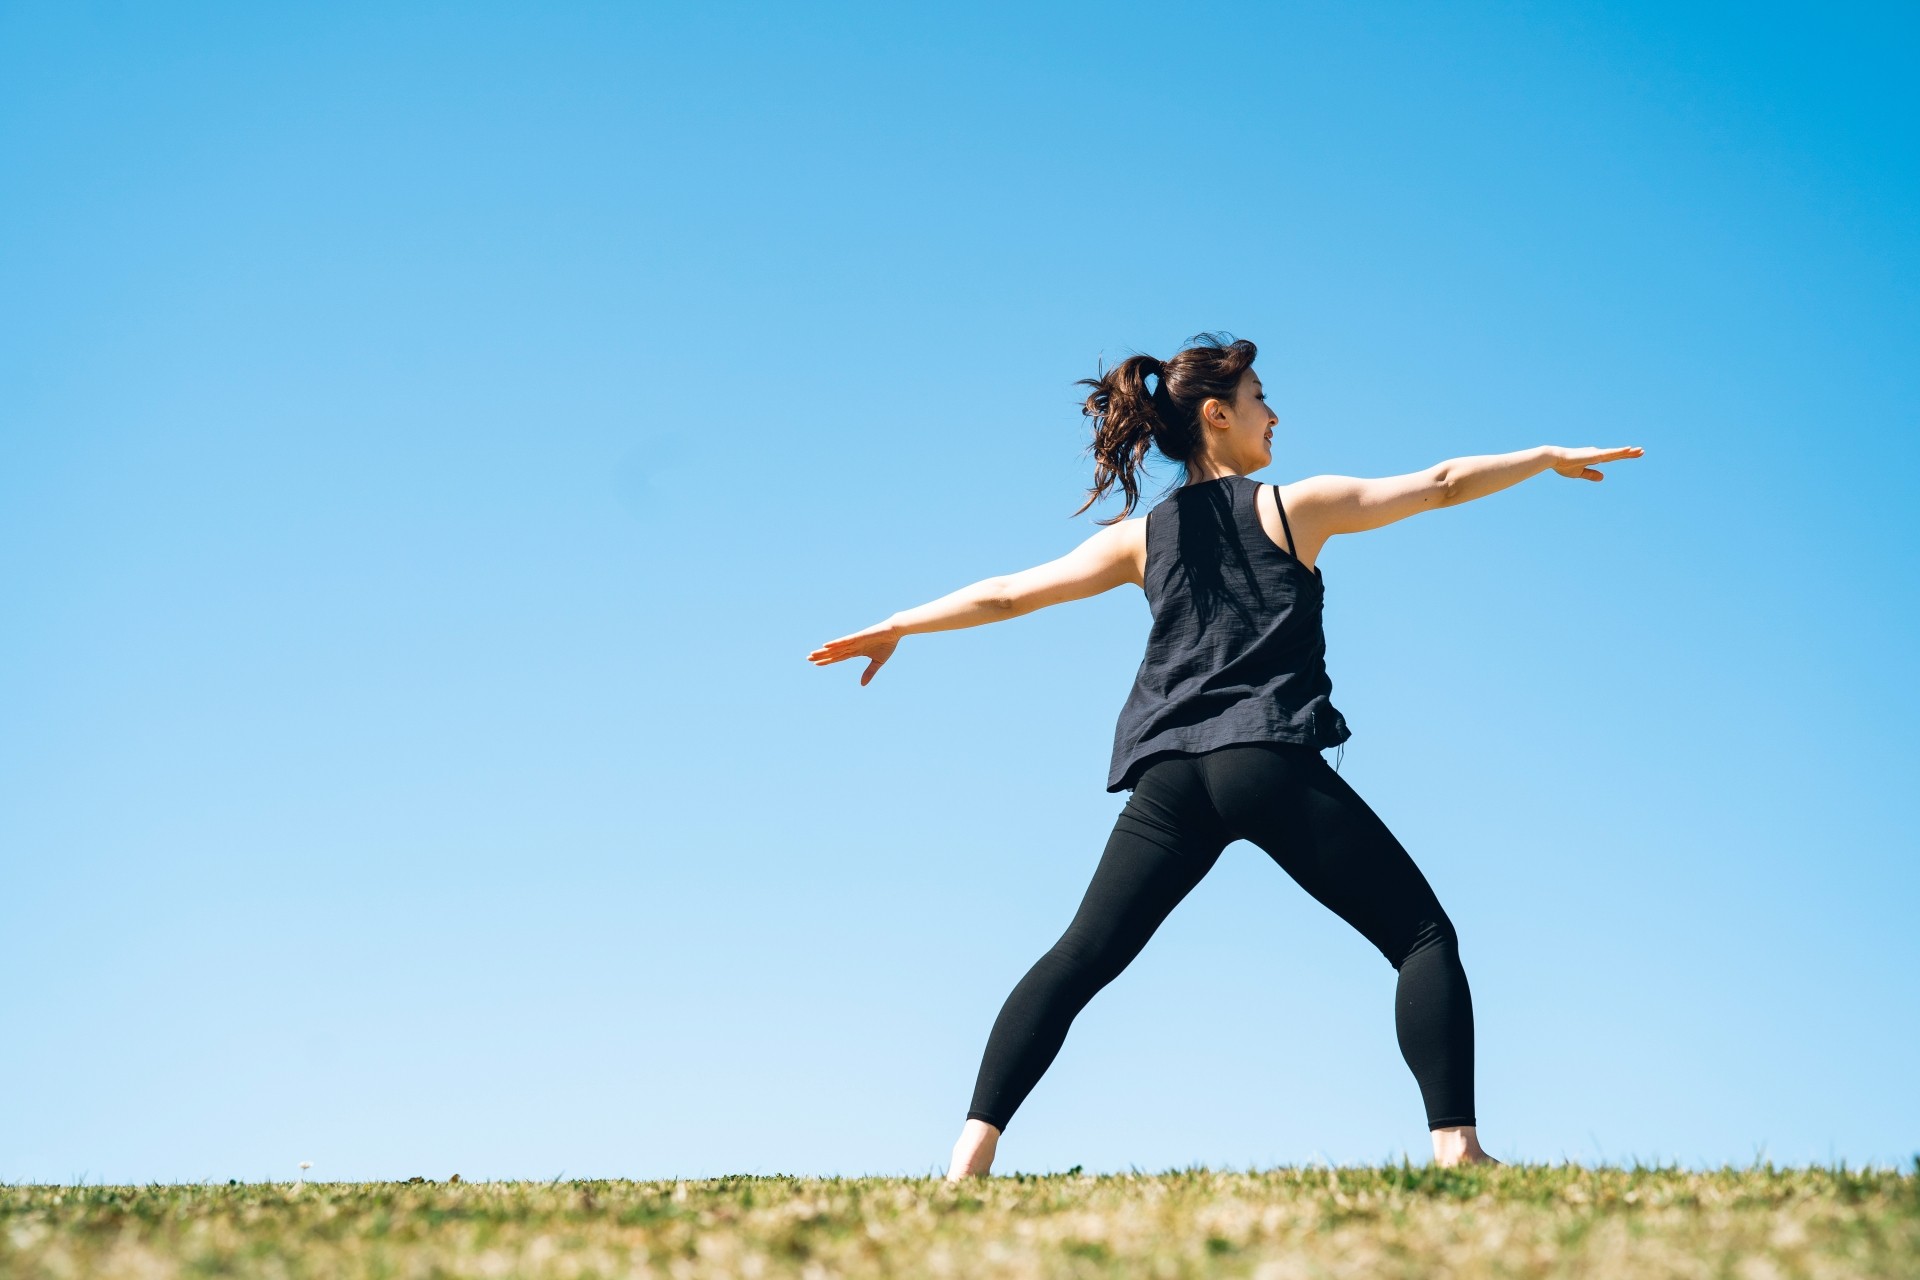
{"x": 1237, "y": 652}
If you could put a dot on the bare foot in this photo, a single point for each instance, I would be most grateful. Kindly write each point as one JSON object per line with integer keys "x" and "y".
{"x": 1477, "y": 1157}
{"x": 973, "y": 1154}
{"x": 1459, "y": 1144}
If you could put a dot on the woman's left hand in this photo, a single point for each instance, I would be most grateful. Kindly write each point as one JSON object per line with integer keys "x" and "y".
{"x": 877, "y": 642}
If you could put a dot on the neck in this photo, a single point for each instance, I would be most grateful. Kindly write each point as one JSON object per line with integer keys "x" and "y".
{"x": 1205, "y": 472}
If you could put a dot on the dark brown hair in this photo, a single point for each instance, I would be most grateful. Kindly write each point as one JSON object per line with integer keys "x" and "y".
{"x": 1127, "y": 417}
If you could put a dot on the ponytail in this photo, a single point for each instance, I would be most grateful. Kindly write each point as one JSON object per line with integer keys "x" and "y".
{"x": 1127, "y": 418}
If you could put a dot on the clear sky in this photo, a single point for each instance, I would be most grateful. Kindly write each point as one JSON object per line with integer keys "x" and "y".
{"x": 433, "y": 436}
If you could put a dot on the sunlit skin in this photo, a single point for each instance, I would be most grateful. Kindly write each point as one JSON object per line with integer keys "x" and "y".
{"x": 1237, "y": 439}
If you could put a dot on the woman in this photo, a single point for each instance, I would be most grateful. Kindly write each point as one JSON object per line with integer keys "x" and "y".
{"x": 1220, "y": 737}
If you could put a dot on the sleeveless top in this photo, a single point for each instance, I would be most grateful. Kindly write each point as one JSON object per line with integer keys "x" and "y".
{"x": 1237, "y": 652}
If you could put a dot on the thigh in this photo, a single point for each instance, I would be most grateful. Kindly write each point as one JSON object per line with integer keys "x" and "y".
{"x": 1164, "y": 841}
{"x": 1311, "y": 821}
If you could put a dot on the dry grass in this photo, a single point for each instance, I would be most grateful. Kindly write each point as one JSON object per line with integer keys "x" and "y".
{"x": 1279, "y": 1224}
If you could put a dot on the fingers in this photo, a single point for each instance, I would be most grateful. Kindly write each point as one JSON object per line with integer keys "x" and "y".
{"x": 838, "y": 651}
{"x": 832, "y": 650}
{"x": 1601, "y": 455}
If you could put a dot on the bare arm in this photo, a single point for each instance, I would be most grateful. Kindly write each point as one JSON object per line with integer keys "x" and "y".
{"x": 1350, "y": 504}
{"x": 1102, "y": 562}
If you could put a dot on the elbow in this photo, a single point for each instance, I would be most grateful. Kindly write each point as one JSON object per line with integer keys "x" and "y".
{"x": 1444, "y": 492}
{"x": 998, "y": 594}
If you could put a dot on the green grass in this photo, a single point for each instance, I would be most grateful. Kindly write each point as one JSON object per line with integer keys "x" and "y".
{"x": 1278, "y": 1224}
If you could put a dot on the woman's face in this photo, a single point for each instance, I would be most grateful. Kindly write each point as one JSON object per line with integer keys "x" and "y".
{"x": 1240, "y": 435}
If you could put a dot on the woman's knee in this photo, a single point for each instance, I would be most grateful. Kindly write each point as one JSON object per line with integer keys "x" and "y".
{"x": 1428, "y": 933}
{"x": 1084, "y": 965}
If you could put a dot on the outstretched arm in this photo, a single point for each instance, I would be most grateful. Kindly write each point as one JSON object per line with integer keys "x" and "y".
{"x": 1100, "y": 563}
{"x": 1350, "y": 504}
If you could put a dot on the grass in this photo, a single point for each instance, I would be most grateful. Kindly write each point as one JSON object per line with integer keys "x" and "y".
{"x": 1277, "y": 1224}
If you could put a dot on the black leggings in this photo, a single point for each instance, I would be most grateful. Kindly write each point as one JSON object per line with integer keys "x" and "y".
{"x": 1183, "y": 812}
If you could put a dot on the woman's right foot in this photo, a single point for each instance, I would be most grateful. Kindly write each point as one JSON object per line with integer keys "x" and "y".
{"x": 973, "y": 1153}
{"x": 1459, "y": 1144}
{"x": 1478, "y": 1157}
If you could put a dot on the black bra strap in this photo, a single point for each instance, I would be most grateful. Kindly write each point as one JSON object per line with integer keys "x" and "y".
{"x": 1283, "y": 521}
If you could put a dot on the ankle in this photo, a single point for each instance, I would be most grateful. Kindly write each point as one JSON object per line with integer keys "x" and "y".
{"x": 979, "y": 1133}
{"x": 1457, "y": 1144}
{"x": 973, "y": 1153}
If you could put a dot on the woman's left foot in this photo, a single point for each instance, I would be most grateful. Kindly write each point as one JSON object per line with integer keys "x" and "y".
{"x": 973, "y": 1153}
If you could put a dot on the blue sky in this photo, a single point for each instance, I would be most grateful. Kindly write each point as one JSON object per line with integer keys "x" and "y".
{"x": 433, "y": 436}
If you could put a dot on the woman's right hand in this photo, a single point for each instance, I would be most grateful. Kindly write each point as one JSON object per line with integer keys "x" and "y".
{"x": 1576, "y": 464}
